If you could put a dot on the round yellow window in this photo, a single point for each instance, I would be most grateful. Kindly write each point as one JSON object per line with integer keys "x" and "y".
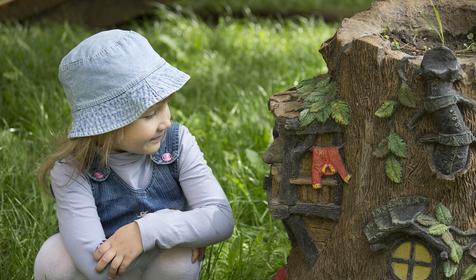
{"x": 411, "y": 260}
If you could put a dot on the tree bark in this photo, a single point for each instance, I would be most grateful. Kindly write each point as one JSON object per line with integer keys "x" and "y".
{"x": 365, "y": 68}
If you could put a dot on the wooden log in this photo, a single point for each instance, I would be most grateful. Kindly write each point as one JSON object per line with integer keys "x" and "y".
{"x": 302, "y": 239}
{"x": 330, "y": 211}
{"x": 92, "y": 13}
{"x": 20, "y": 9}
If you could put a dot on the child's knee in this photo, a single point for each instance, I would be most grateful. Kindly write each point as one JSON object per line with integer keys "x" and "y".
{"x": 173, "y": 264}
{"x": 54, "y": 262}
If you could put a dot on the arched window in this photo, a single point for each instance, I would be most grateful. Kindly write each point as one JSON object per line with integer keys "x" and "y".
{"x": 411, "y": 260}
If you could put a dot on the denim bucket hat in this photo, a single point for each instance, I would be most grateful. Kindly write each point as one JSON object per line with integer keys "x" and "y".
{"x": 111, "y": 78}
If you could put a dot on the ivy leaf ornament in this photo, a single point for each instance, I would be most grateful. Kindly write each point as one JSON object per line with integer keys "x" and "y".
{"x": 443, "y": 215}
{"x": 438, "y": 229}
{"x": 456, "y": 252}
{"x": 426, "y": 220}
{"x": 393, "y": 169}
{"x": 469, "y": 272}
{"x": 406, "y": 96}
{"x": 386, "y": 109}
{"x": 449, "y": 268}
{"x": 396, "y": 145}
{"x": 448, "y": 238}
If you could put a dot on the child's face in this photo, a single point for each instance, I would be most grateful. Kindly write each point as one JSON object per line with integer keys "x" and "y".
{"x": 144, "y": 135}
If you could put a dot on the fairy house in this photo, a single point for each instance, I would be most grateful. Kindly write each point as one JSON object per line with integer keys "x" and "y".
{"x": 372, "y": 168}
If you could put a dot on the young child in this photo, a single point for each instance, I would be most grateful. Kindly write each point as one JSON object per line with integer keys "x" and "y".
{"x": 134, "y": 196}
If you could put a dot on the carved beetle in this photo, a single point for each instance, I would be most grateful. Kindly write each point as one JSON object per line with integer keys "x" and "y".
{"x": 450, "y": 153}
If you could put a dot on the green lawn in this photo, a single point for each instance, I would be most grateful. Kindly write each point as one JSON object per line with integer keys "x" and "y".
{"x": 235, "y": 65}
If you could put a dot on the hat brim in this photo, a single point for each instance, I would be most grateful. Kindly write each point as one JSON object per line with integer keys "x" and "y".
{"x": 128, "y": 106}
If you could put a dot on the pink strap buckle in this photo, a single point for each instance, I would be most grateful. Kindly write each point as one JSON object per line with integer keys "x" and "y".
{"x": 98, "y": 175}
{"x": 167, "y": 157}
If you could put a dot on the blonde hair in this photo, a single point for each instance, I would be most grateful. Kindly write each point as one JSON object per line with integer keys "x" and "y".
{"x": 82, "y": 151}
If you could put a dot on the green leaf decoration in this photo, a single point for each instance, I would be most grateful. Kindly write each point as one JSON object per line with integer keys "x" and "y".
{"x": 448, "y": 238}
{"x": 319, "y": 95}
{"x": 443, "y": 215}
{"x": 426, "y": 220}
{"x": 393, "y": 169}
{"x": 305, "y": 82}
{"x": 396, "y": 145}
{"x": 307, "y": 85}
{"x": 305, "y": 117}
{"x": 381, "y": 150}
{"x": 340, "y": 112}
{"x": 331, "y": 90}
{"x": 406, "y": 96}
{"x": 469, "y": 272}
{"x": 320, "y": 102}
{"x": 456, "y": 252}
{"x": 386, "y": 109}
{"x": 316, "y": 86}
{"x": 316, "y": 97}
{"x": 438, "y": 229}
{"x": 324, "y": 82}
{"x": 318, "y": 106}
{"x": 449, "y": 268}
{"x": 324, "y": 114}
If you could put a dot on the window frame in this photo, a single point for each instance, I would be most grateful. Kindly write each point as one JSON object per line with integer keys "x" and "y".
{"x": 411, "y": 261}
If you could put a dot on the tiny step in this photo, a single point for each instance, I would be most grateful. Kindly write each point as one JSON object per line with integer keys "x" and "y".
{"x": 307, "y": 181}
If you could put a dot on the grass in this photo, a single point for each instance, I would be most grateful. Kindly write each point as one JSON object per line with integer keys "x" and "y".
{"x": 235, "y": 65}
{"x": 439, "y": 30}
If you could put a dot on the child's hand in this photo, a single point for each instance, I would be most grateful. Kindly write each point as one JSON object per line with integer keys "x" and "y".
{"x": 121, "y": 249}
{"x": 198, "y": 254}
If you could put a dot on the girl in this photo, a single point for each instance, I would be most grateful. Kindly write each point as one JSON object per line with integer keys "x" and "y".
{"x": 133, "y": 192}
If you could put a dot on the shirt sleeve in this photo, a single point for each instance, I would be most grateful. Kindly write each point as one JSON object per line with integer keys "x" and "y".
{"x": 209, "y": 219}
{"x": 79, "y": 223}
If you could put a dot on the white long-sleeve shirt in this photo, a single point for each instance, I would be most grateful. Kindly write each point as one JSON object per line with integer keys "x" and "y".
{"x": 207, "y": 220}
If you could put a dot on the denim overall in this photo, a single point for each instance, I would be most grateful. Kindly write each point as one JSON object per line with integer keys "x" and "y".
{"x": 118, "y": 204}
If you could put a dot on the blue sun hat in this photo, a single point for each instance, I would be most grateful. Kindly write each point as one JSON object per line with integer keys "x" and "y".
{"x": 112, "y": 78}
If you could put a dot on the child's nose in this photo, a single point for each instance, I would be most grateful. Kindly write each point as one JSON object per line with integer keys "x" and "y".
{"x": 165, "y": 124}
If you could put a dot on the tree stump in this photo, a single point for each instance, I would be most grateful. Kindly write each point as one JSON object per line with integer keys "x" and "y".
{"x": 372, "y": 228}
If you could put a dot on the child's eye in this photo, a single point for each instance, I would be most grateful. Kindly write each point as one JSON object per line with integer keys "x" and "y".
{"x": 149, "y": 115}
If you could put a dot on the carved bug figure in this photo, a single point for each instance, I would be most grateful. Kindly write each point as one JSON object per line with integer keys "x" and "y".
{"x": 450, "y": 153}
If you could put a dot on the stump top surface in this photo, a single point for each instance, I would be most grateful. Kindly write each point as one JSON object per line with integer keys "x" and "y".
{"x": 401, "y": 27}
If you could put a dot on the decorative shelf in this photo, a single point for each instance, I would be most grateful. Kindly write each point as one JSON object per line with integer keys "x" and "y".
{"x": 307, "y": 181}
{"x": 328, "y": 211}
